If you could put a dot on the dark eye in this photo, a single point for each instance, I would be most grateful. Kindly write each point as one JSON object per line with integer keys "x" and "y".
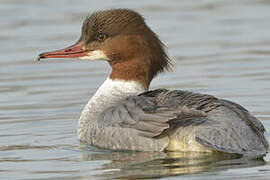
{"x": 101, "y": 37}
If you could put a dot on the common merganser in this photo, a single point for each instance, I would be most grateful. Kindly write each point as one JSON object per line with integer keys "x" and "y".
{"x": 124, "y": 115}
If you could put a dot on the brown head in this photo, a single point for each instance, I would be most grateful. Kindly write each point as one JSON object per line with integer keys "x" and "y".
{"x": 121, "y": 37}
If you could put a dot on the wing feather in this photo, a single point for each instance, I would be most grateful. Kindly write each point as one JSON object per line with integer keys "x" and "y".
{"x": 219, "y": 124}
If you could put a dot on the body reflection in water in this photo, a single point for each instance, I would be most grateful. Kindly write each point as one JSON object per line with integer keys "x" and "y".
{"x": 144, "y": 165}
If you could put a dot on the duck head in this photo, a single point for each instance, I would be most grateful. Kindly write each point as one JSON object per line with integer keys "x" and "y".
{"x": 122, "y": 38}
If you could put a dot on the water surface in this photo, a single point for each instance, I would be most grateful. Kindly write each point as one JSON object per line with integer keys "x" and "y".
{"x": 218, "y": 47}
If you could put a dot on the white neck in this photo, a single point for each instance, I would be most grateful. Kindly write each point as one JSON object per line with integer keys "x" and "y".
{"x": 108, "y": 94}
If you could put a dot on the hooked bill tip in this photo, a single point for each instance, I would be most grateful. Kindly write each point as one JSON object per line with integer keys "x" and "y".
{"x": 39, "y": 57}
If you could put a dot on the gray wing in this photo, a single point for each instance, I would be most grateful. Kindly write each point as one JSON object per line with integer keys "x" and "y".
{"x": 231, "y": 134}
{"x": 228, "y": 127}
{"x": 217, "y": 123}
{"x": 145, "y": 115}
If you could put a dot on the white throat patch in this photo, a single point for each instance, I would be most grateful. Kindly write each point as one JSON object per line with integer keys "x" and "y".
{"x": 95, "y": 55}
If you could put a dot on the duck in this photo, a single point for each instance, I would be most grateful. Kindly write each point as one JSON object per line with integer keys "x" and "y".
{"x": 124, "y": 114}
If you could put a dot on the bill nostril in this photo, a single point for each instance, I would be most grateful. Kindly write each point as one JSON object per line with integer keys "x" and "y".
{"x": 68, "y": 50}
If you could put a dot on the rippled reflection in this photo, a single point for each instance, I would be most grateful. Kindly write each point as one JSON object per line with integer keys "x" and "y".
{"x": 130, "y": 165}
